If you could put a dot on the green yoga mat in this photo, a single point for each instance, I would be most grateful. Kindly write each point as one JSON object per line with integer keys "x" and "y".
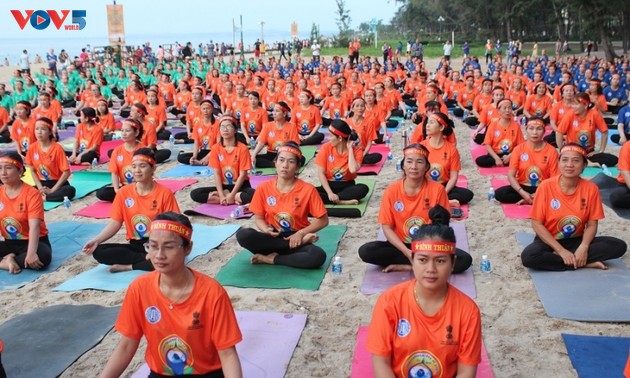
{"x": 240, "y": 272}
{"x": 307, "y": 151}
{"x": 85, "y": 182}
{"x": 353, "y": 211}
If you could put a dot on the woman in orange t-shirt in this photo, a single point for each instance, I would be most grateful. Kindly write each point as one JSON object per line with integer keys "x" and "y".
{"x": 307, "y": 119}
{"x": 205, "y": 133}
{"x": 22, "y": 129}
{"x": 539, "y": 103}
{"x": 253, "y": 118}
{"x": 531, "y": 162}
{"x": 425, "y": 326}
{"x": 25, "y": 244}
{"x": 230, "y": 162}
{"x": 273, "y": 135}
{"x": 338, "y": 162}
{"x": 161, "y": 304}
{"x": 365, "y": 129}
{"x": 149, "y": 135}
{"x": 157, "y": 114}
{"x": 107, "y": 122}
{"x": 404, "y": 208}
{"x": 281, "y": 208}
{"x": 135, "y": 205}
{"x": 49, "y": 164}
{"x": 88, "y": 139}
{"x": 560, "y": 109}
{"x": 565, "y": 215}
{"x": 501, "y": 137}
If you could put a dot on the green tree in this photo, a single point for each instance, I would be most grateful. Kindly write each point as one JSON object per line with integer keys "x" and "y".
{"x": 315, "y": 32}
{"x": 343, "y": 22}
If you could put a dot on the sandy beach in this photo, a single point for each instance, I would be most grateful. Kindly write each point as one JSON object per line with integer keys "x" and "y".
{"x": 522, "y": 341}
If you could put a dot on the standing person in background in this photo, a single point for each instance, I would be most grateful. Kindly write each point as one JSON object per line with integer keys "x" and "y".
{"x": 488, "y": 52}
{"x": 466, "y": 49}
{"x": 448, "y": 49}
{"x": 51, "y": 58}
{"x": 355, "y": 46}
{"x": 25, "y": 63}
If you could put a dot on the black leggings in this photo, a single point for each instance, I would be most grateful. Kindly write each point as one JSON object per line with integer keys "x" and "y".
{"x": 106, "y": 194}
{"x": 5, "y": 137}
{"x": 384, "y": 254}
{"x": 620, "y": 197}
{"x": 3, "y": 374}
{"x": 314, "y": 139}
{"x": 66, "y": 190}
{"x": 212, "y": 374}
{"x": 615, "y": 138}
{"x": 462, "y": 195}
{"x": 372, "y": 158}
{"x": 307, "y": 256}
{"x": 507, "y": 194}
{"x": 19, "y": 248}
{"x": 131, "y": 253}
{"x": 487, "y": 161}
{"x": 87, "y": 157}
{"x": 184, "y": 157}
{"x": 604, "y": 158}
{"x": 184, "y": 137}
{"x": 346, "y": 190}
{"x": 201, "y": 195}
{"x": 539, "y": 255}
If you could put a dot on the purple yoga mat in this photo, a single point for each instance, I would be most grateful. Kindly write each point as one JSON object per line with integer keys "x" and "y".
{"x": 216, "y": 211}
{"x": 66, "y": 133}
{"x": 375, "y": 281}
{"x": 269, "y": 339}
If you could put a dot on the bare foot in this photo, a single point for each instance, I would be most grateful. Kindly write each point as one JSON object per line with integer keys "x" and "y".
{"x": 310, "y": 238}
{"x": 119, "y": 268}
{"x": 213, "y": 198}
{"x": 9, "y": 263}
{"x": 264, "y": 259}
{"x": 454, "y": 203}
{"x": 348, "y": 202}
{"x": 397, "y": 268}
{"x": 596, "y": 265}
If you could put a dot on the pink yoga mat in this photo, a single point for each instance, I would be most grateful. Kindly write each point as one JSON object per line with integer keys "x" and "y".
{"x": 105, "y": 147}
{"x": 362, "y": 359}
{"x": 100, "y": 209}
{"x": 374, "y": 169}
{"x": 512, "y": 211}
{"x": 269, "y": 339}
{"x": 476, "y": 151}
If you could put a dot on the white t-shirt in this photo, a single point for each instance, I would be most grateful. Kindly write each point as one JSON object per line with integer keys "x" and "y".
{"x": 25, "y": 64}
{"x": 315, "y": 47}
{"x": 448, "y": 48}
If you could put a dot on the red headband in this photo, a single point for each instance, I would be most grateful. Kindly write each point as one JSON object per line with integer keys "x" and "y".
{"x": 291, "y": 150}
{"x": 583, "y": 100}
{"x": 538, "y": 122}
{"x": 140, "y": 110}
{"x": 284, "y": 108}
{"x": 48, "y": 124}
{"x": 412, "y": 150}
{"x": 430, "y": 246}
{"x": 178, "y": 228}
{"x": 8, "y": 160}
{"x": 439, "y": 120}
{"x": 573, "y": 148}
{"x": 144, "y": 158}
{"x": 336, "y": 132}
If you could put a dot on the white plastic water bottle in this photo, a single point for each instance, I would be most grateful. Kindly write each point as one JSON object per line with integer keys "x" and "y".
{"x": 171, "y": 139}
{"x": 491, "y": 194}
{"x": 398, "y": 165}
{"x": 337, "y": 267}
{"x": 66, "y": 202}
{"x": 606, "y": 170}
{"x": 252, "y": 143}
{"x": 94, "y": 163}
{"x": 485, "y": 266}
{"x": 237, "y": 212}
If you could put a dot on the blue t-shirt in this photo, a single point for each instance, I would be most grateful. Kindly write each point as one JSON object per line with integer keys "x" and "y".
{"x": 623, "y": 118}
{"x": 619, "y": 94}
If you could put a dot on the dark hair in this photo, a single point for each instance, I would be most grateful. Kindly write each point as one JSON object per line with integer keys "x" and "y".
{"x": 146, "y": 152}
{"x": 17, "y": 157}
{"x": 48, "y": 121}
{"x": 179, "y": 218}
{"x": 137, "y": 125}
{"x": 90, "y": 114}
{"x": 448, "y": 129}
{"x": 343, "y": 126}
{"x": 584, "y": 159}
{"x": 206, "y": 101}
{"x": 438, "y": 228}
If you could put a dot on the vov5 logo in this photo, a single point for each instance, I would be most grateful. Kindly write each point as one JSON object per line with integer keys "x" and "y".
{"x": 41, "y": 19}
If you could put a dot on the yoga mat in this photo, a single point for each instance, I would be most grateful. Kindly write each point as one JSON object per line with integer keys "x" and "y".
{"x": 84, "y": 183}
{"x": 101, "y": 209}
{"x": 183, "y": 170}
{"x": 67, "y": 239}
{"x": 240, "y": 272}
{"x": 28, "y": 176}
{"x": 594, "y": 171}
{"x": 205, "y": 238}
{"x": 478, "y": 150}
{"x": 374, "y": 169}
{"x": 375, "y": 281}
{"x": 611, "y": 132}
{"x": 597, "y": 356}
{"x": 66, "y": 134}
{"x": 353, "y": 211}
{"x": 590, "y": 295}
{"x": 307, "y": 151}
{"x": 46, "y": 341}
{"x": 269, "y": 339}
{"x": 606, "y": 186}
{"x": 511, "y": 210}
{"x": 105, "y": 147}
{"x": 362, "y": 359}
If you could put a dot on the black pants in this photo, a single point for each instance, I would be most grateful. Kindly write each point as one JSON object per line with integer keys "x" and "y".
{"x": 5, "y": 136}
{"x": 184, "y": 157}
{"x": 87, "y": 157}
{"x": 507, "y": 194}
{"x": 383, "y": 253}
{"x": 487, "y": 161}
{"x": 19, "y": 248}
{"x": 201, "y": 195}
{"x": 604, "y": 158}
{"x": 615, "y": 138}
{"x": 539, "y": 255}
{"x": 346, "y": 190}
{"x": 313, "y": 140}
{"x": 372, "y": 158}
{"x": 66, "y": 190}
{"x": 307, "y": 256}
{"x": 163, "y": 134}
{"x": 479, "y": 138}
{"x": 462, "y": 195}
{"x": 620, "y": 197}
{"x": 106, "y": 193}
{"x": 551, "y": 139}
{"x": 183, "y": 136}
{"x": 131, "y": 253}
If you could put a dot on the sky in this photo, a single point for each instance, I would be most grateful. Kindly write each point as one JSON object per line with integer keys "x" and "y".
{"x": 181, "y": 17}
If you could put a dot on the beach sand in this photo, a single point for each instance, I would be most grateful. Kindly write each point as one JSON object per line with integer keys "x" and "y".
{"x": 522, "y": 341}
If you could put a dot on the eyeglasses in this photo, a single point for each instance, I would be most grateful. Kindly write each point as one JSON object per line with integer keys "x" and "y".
{"x": 167, "y": 248}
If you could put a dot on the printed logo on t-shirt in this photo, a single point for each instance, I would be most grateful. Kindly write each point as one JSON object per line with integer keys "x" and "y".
{"x": 129, "y": 202}
{"x": 43, "y": 170}
{"x": 176, "y": 356}
{"x": 272, "y": 134}
{"x": 338, "y": 173}
{"x": 220, "y": 157}
{"x": 271, "y": 201}
{"x": 555, "y": 204}
{"x": 533, "y": 176}
{"x": 524, "y": 157}
{"x": 196, "y": 322}
{"x": 331, "y": 158}
{"x": 229, "y": 175}
{"x": 285, "y": 220}
{"x": 567, "y": 226}
{"x": 152, "y": 314}
{"x": 412, "y": 225}
{"x": 404, "y": 328}
{"x": 399, "y": 206}
{"x": 449, "y": 339}
{"x": 421, "y": 363}
{"x": 128, "y": 175}
{"x": 140, "y": 224}
{"x": 1, "y": 206}
{"x": 12, "y": 228}
{"x": 435, "y": 172}
{"x": 36, "y": 156}
{"x": 119, "y": 158}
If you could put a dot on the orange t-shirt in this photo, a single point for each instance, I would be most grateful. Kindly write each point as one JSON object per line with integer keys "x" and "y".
{"x": 23, "y": 133}
{"x": 182, "y": 99}
{"x": 392, "y": 98}
{"x": 566, "y": 215}
{"x": 206, "y": 135}
{"x": 531, "y": 166}
{"x": 120, "y": 163}
{"x": 418, "y": 342}
{"x": 49, "y": 165}
{"x": 4, "y": 116}
{"x": 337, "y": 108}
{"x": 480, "y": 101}
{"x": 49, "y": 113}
{"x": 488, "y": 114}
{"x": 624, "y": 161}
{"x": 270, "y": 98}
{"x": 138, "y": 211}
{"x": 237, "y": 106}
{"x": 193, "y": 112}
{"x": 133, "y": 97}
{"x": 306, "y": 119}
{"x": 582, "y": 130}
{"x": 287, "y": 212}
{"x": 366, "y": 129}
{"x": 229, "y": 164}
{"x": 558, "y": 111}
{"x": 518, "y": 98}
{"x": 443, "y": 160}
{"x": 274, "y": 137}
{"x": 405, "y": 213}
{"x": 466, "y": 98}
{"x": 538, "y": 106}
{"x": 335, "y": 164}
{"x": 149, "y": 135}
{"x": 156, "y": 114}
{"x": 253, "y": 120}
{"x": 167, "y": 90}
{"x": 196, "y": 328}
{"x": 15, "y": 213}
{"x": 355, "y": 89}
{"x": 107, "y": 122}
{"x": 89, "y": 137}
{"x": 378, "y": 113}
{"x": 503, "y": 139}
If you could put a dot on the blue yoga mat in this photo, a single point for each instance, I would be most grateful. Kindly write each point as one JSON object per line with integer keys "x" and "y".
{"x": 611, "y": 132}
{"x": 85, "y": 182}
{"x": 67, "y": 239}
{"x": 183, "y": 170}
{"x": 204, "y": 239}
{"x": 590, "y": 295}
{"x": 597, "y": 356}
